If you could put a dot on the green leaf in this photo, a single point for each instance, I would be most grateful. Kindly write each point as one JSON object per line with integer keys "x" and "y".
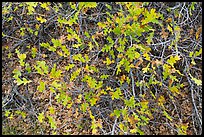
{"x": 104, "y": 76}
{"x": 130, "y": 102}
{"x": 65, "y": 50}
{"x": 52, "y": 122}
{"x": 149, "y": 38}
{"x": 65, "y": 100}
{"x": 45, "y": 45}
{"x": 79, "y": 58}
{"x": 41, "y": 67}
{"x": 25, "y": 81}
{"x": 21, "y": 56}
{"x": 197, "y": 53}
{"x": 131, "y": 53}
{"x": 124, "y": 111}
{"x": 56, "y": 43}
{"x": 121, "y": 48}
{"x": 87, "y": 34}
{"x": 117, "y": 113}
{"x": 146, "y": 68}
{"x": 101, "y": 24}
{"x": 55, "y": 84}
{"x": 106, "y": 48}
{"x": 52, "y": 89}
{"x": 116, "y": 94}
{"x": 88, "y": 95}
{"x": 191, "y": 54}
{"x": 16, "y": 73}
{"x": 41, "y": 87}
{"x": 75, "y": 74}
{"x": 108, "y": 61}
{"x": 34, "y": 52}
{"x": 31, "y": 6}
{"x": 137, "y": 55}
{"x": 93, "y": 101}
{"x": 117, "y": 30}
{"x": 54, "y": 73}
{"x": 19, "y": 81}
{"x": 173, "y": 60}
{"x": 70, "y": 66}
{"x": 109, "y": 7}
{"x": 84, "y": 107}
{"x": 90, "y": 5}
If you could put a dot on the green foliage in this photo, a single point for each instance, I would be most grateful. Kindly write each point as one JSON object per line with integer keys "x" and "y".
{"x": 31, "y": 7}
{"x": 70, "y": 66}
{"x": 116, "y": 113}
{"x": 56, "y": 43}
{"x": 84, "y": 43}
{"x": 41, "y": 117}
{"x": 197, "y": 81}
{"x": 41, "y": 67}
{"x": 130, "y": 103}
{"x": 34, "y": 52}
{"x": 172, "y": 60}
{"x": 41, "y": 87}
{"x": 90, "y": 81}
{"x": 117, "y": 94}
{"x": 55, "y": 73}
{"x": 84, "y": 107}
{"x": 40, "y": 19}
{"x": 45, "y": 5}
{"x": 52, "y": 122}
{"x": 75, "y": 74}
{"x": 78, "y": 57}
{"x": 17, "y": 73}
{"x": 22, "y": 57}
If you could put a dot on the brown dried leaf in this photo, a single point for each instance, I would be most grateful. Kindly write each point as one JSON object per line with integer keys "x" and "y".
{"x": 164, "y": 34}
{"x": 198, "y": 32}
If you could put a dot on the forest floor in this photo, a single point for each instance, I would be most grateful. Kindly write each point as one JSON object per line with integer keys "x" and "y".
{"x": 61, "y": 76}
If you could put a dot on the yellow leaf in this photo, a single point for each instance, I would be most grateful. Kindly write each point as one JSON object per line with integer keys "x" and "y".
{"x": 52, "y": 110}
{"x": 109, "y": 88}
{"x": 121, "y": 126}
{"x": 161, "y": 100}
{"x": 41, "y": 117}
{"x": 174, "y": 89}
{"x": 91, "y": 116}
{"x": 147, "y": 57}
{"x": 170, "y": 29}
{"x": 133, "y": 130}
{"x": 177, "y": 57}
{"x": 94, "y": 131}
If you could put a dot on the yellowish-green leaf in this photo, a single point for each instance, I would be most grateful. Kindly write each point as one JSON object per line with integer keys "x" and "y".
{"x": 45, "y": 6}
{"x": 52, "y": 110}
{"x": 40, "y": 19}
{"x": 41, "y": 87}
{"x": 70, "y": 66}
{"x": 167, "y": 115}
{"x": 41, "y": 117}
{"x": 7, "y": 112}
{"x": 197, "y": 81}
